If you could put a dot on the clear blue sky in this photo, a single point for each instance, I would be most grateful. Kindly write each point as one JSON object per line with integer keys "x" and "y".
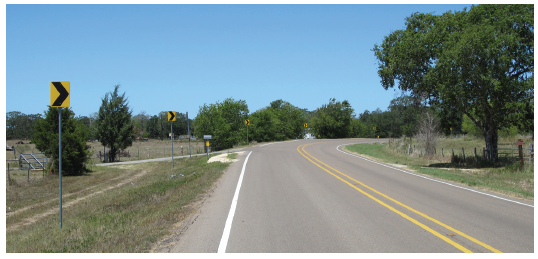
{"x": 178, "y": 57}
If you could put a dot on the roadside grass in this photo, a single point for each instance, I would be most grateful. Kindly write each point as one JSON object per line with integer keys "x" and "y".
{"x": 153, "y": 148}
{"x": 140, "y": 150}
{"x": 232, "y": 155}
{"x": 147, "y": 201}
{"x": 509, "y": 179}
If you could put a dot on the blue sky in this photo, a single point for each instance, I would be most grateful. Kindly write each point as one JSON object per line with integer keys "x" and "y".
{"x": 178, "y": 57}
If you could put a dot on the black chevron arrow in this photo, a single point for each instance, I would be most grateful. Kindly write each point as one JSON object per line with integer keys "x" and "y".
{"x": 63, "y": 94}
{"x": 172, "y": 116}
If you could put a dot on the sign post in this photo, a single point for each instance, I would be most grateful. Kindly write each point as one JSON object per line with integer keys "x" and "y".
{"x": 207, "y": 138}
{"x": 189, "y": 132}
{"x": 60, "y": 97}
{"x": 247, "y": 122}
{"x": 171, "y": 118}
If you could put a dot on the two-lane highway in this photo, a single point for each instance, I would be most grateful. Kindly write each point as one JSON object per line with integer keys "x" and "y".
{"x": 311, "y": 196}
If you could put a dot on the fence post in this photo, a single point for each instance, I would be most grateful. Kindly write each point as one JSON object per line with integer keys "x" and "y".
{"x": 463, "y": 151}
{"x": 8, "y": 175}
{"x": 520, "y": 148}
{"x": 475, "y": 157}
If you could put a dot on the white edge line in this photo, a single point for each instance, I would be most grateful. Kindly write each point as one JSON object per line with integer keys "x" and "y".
{"x": 228, "y": 225}
{"x": 428, "y": 177}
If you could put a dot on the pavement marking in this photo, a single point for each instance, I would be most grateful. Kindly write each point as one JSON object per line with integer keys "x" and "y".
{"x": 460, "y": 247}
{"x": 228, "y": 225}
{"x": 435, "y": 180}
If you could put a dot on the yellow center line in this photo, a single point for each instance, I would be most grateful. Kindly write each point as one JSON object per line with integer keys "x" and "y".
{"x": 399, "y": 203}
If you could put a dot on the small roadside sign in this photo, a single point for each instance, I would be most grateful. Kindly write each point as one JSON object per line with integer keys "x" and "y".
{"x": 247, "y": 122}
{"x": 207, "y": 136}
{"x": 306, "y": 125}
{"x": 171, "y": 116}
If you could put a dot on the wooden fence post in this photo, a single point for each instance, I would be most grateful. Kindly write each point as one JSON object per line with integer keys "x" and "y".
{"x": 8, "y": 175}
{"x": 520, "y": 148}
{"x": 475, "y": 157}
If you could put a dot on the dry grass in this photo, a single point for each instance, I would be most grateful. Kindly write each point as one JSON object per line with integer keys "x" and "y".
{"x": 508, "y": 179}
{"x": 123, "y": 208}
{"x": 152, "y": 149}
{"x": 138, "y": 151}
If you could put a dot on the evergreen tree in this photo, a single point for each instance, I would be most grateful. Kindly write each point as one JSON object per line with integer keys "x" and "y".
{"x": 75, "y": 151}
{"x": 114, "y": 124}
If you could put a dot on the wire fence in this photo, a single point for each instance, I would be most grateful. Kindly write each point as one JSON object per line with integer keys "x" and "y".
{"x": 507, "y": 153}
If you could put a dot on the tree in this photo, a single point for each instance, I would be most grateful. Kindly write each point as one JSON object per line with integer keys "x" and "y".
{"x": 479, "y": 62}
{"x": 333, "y": 120}
{"x": 75, "y": 151}
{"x": 428, "y": 132}
{"x": 224, "y": 121}
{"x": 153, "y": 127}
{"x": 262, "y": 125}
{"x": 20, "y": 125}
{"x": 114, "y": 125}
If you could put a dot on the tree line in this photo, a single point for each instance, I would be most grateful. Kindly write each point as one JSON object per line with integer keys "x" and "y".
{"x": 469, "y": 71}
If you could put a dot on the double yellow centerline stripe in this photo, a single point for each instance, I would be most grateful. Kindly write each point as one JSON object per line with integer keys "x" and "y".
{"x": 326, "y": 168}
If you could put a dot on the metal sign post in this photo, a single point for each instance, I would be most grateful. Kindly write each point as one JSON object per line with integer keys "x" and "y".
{"x": 171, "y": 119}
{"x": 60, "y": 96}
{"x": 207, "y": 138}
{"x": 171, "y": 130}
{"x": 60, "y": 157}
{"x": 189, "y": 132}
{"x": 247, "y": 122}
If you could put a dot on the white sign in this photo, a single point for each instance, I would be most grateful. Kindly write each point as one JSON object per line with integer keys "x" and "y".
{"x": 207, "y": 136}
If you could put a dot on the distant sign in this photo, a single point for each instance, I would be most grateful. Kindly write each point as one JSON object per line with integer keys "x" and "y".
{"x": 171, "y": 116}
{"x": 306, "y": 125}
{"x": 247, "y": 122}
{"x": 207, "y": 136}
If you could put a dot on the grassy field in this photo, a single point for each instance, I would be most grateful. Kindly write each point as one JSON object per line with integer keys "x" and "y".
{"x": 121, "y": 208}
{"x": 138, "y": 151}
{"x": 508, "y": 179}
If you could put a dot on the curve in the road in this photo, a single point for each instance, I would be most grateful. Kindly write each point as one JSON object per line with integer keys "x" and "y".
{"x": 326, "y": 168}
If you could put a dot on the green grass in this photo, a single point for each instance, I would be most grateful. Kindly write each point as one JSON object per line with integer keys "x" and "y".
{"x": 509, "y": 180}
{"x": 128, "y": 218}
{"x": 232, "y": 155}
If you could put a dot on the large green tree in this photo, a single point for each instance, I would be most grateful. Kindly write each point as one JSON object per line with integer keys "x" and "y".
{"x": 480, "y": 62}
{"x": 225, "y": 121}
{"x": 75, "y": 151}
{"x": 114, "y": 123}
{"x": 278, "y": 121}
{"x": 333, "y": 120}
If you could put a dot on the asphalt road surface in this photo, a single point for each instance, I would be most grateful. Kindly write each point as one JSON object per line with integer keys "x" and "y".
{"x": 311, "y": 196}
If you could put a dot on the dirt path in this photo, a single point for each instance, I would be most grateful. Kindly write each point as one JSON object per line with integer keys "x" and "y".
{"x": 40, "y": 216}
